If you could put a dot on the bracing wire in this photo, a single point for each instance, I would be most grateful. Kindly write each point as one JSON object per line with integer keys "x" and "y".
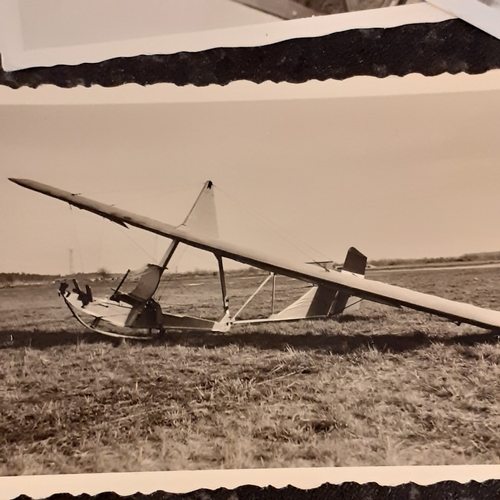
{"x": 270, "y": 225}
{"x": 164, "y": 283}
{"x": 77, "y": 238}
{"x": 124, "y": 231}
{"x": 353, "y": 304}
{"x": 101, "y": 238}
{"x": 160, "y": 192}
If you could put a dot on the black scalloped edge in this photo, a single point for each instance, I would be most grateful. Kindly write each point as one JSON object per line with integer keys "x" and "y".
{"x": 449, "y": 490}
{"x": 430, "y": 49}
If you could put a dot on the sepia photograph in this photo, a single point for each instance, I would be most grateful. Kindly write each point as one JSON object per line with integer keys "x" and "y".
{"x": 250, "y": 283}
{"x": 484, "y": 14}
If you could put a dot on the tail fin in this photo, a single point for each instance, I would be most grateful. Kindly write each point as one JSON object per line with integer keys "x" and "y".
{"x": 355, "y": 263}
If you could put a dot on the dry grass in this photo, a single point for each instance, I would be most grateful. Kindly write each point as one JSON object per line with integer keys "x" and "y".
{"x": 385, "y": 387}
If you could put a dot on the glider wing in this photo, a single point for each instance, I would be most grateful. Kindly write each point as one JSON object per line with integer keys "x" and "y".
{"x": 345, "y": 282}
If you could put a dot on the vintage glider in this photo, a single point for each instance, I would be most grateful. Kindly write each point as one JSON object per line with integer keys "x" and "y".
{"x": 332, "y": 293}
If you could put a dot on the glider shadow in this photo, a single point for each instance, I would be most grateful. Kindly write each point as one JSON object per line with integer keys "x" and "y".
{"x": 262, "y": 339}
{"x": 330, "y": 343}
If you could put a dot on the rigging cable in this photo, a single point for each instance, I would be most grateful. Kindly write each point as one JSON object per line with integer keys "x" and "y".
{"x": 161, "y": 192}
{"x": 124, "y": 231}
{"x": 162, "y": 288}
{"x": 72, "y": 216}
{"x": 269, "y": 224}
{"x": 99, "y": 267}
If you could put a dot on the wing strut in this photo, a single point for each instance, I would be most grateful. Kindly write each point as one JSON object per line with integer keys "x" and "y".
{"x": 222, "y": 277}
{"x": 271, "y": 275}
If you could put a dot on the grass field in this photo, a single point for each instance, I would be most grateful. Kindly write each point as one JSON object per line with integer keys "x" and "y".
{"x": 382, "y": 387}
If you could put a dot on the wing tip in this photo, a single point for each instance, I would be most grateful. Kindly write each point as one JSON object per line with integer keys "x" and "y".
{"x": 21, "y": 182}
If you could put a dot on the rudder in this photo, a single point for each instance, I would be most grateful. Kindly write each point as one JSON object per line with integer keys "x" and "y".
{"x": 355, "y": 263}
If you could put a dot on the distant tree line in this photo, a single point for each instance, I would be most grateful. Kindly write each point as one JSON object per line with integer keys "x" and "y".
{"x": 10, "y": 279}
{"x": 13, "y": 279}
{"x": 468, "y": 257}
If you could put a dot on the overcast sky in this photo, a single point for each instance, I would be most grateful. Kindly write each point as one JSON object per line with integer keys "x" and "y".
{"x": 402, "y": 176}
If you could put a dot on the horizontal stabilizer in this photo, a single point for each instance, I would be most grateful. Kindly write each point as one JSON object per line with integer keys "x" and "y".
{"x": 314, "y": 303}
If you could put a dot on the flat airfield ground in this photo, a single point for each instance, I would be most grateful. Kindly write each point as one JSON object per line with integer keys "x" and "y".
{"x": 380, "y": 387}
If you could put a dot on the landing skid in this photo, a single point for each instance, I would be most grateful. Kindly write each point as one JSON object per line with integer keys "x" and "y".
{"x": 93, "y": 326}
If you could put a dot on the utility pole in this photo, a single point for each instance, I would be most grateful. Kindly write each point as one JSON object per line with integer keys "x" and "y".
{"x": 71, "y": 265}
